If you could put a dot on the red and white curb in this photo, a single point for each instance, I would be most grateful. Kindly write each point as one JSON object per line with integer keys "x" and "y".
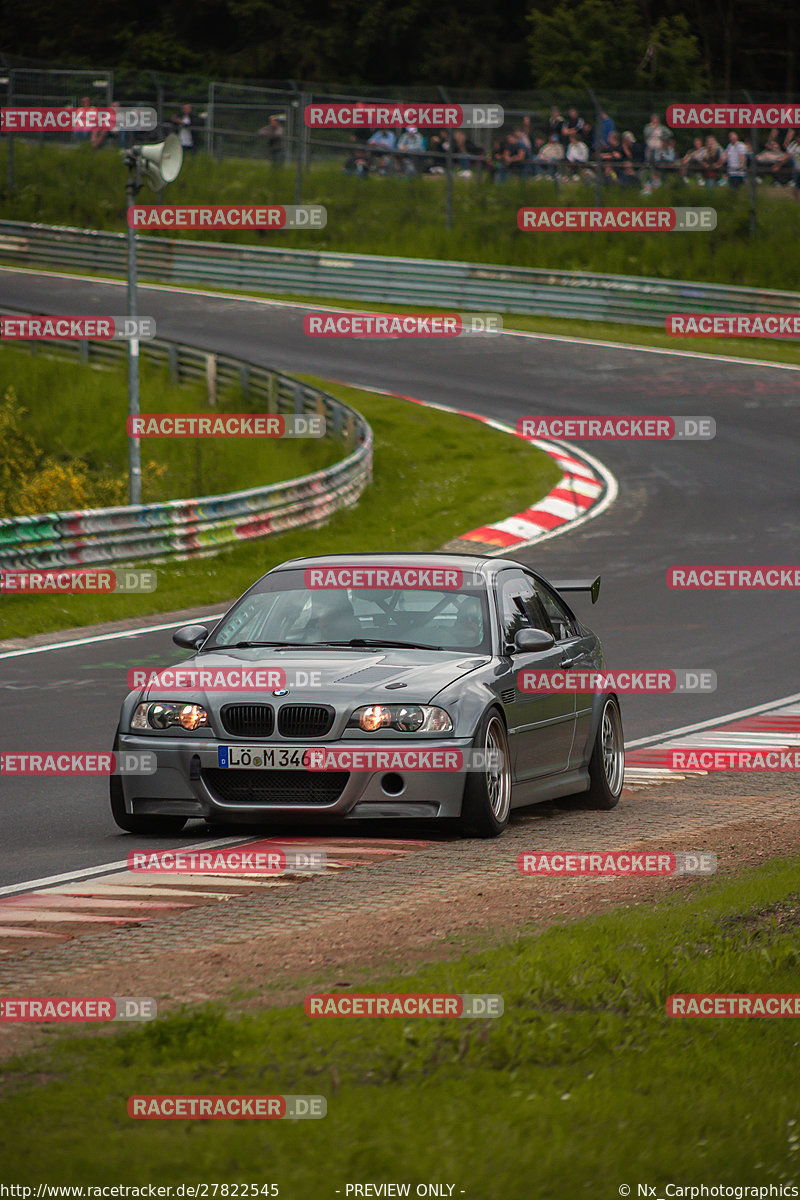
{"x": 57, "y": 911}
{"x": 770, "y": 727}
{"x": 586, "y": 489}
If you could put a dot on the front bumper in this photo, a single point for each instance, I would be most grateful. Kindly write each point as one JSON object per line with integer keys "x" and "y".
{"x": 189, "y": 782}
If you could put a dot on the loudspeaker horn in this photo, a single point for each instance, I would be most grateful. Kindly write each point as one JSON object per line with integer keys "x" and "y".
{"x": 161, "y": 163}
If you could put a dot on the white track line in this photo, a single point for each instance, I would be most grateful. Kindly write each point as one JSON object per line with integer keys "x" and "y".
{"x": 714, "y": 721}
{"x": 543, "y": 337}
{"x": 103, "y": 637}
{"x": 106, "y": 868}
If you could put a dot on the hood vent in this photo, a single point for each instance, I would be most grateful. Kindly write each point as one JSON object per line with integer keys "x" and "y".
{"x": 374, "y": 674}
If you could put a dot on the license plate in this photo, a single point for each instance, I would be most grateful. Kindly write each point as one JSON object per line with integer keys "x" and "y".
{"x": 270, "y": 758}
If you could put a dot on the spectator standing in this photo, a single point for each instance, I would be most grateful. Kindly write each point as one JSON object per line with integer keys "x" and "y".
{"x": 497, "y": 160}
{"x": 773, "y": 158}
{"x": 694, "y": 161}
{"x": 412, "y": 143}
{"x": 713, "y": 167}
{"x": 577, "y": 151}
{"x": 83, "y": 135}
{"x": 573, "y": 124}
{"x": 273, "y": 132}
{"x": 435, "y": 162}
{"x": 604, "y": 130}
{"x": 514, "y": 157}
{"x": 791, "y": 144}
{"x": 186, "y": 128}
{"x": 577, "y": 155}
{"x": 612, "y": 156}
{"x": 551, "y": 154}
{"x": 734, "y": 157}
{"x": 554, "y": 123}
{"x": 99, "y": 137}
{"x": 632, "y": 158}
{"x": 357, "y": 163}
{"x": 523, "y": 140}
{"x": 654, "y": 134}
{"x": 382, "y": 140}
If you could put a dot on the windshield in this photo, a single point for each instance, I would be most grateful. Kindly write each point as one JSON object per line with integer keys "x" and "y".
{"x": 282, "y": 610}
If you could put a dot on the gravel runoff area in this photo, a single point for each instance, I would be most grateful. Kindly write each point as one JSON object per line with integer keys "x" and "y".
{"x": 272, "y": 947}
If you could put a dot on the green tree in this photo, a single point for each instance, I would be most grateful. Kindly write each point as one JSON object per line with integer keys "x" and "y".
{"x": 585, "y": 43}
{"x": 609, "y": 44}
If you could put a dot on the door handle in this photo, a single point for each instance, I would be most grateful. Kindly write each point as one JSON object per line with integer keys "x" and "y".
{"x": 567, "y": 662}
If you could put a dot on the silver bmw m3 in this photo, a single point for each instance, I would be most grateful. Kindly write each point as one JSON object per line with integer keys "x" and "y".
{"x": 346, "y": 687}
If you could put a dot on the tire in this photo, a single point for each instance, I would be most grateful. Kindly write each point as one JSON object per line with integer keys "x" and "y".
{"x": 153, "y": 825}
{"x": 607, "y": 764}
{"x": 486, "y": 805}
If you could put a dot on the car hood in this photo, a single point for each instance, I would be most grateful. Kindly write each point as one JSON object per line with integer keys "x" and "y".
{"x": 338, "y": 677}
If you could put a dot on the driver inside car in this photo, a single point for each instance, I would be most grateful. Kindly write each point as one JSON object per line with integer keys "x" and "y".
{"x": 332, "y": 618}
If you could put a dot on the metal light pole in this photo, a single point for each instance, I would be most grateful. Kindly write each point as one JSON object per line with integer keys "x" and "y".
{"x": 134, "y": 447}
{"x": 158, "y": 164}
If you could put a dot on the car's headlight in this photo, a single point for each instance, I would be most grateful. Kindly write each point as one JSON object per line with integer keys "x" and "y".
{"x": 163, "y": 714}
{"x": 407, "y": 718}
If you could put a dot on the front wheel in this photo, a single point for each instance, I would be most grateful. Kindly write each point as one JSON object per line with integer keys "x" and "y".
{"x": 607, "y": 764}
{"x": 487, "y": 794}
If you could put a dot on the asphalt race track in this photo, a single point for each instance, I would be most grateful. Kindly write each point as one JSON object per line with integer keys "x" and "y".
{"x": 731, "y": 501}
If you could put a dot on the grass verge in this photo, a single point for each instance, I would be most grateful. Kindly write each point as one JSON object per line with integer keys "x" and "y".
{"x": 76, "y": 411}
{"x": 436, "y": 475}
{"x": 79, "y": 186}
{"x": 583, "y": 1079}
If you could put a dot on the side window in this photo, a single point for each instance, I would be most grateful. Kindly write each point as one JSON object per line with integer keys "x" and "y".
{"x": 520, "y": 607}
{"x": 561, "y": 620}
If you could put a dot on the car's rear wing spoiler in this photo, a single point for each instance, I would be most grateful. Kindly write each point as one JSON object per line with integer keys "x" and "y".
{"x": 580, "y": 585}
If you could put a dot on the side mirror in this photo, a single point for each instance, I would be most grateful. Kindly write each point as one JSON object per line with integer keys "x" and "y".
{"x": 190, "y": 637}
{"x": 533, "y": 639}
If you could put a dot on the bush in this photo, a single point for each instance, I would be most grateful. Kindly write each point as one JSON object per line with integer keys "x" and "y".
{"x": 33, "y": 482}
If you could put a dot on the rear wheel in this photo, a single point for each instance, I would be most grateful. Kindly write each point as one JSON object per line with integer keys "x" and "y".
{"x": 607, "y": 764}
{"x": 150, "y": 824}
{"x": 487, "y": 794}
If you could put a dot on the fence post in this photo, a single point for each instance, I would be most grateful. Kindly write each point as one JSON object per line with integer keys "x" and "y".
{"x": 598, "y": 177}
{"x": 244, "y": 381}
{"x": 448, "y": 166}
{"x": 211, "y": 379}
{"x": 300, "y": 136}
{"x": 10, "y": 160}
{"x": 752, "y": 173}
{"x": 159, "y": 99}
{"x": 210, "y": 120}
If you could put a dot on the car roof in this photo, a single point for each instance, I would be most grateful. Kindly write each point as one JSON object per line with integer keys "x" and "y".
{"x": 488, "y": 568}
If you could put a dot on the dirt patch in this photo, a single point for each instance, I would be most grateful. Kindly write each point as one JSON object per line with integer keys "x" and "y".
{"x": 261, "y": 951}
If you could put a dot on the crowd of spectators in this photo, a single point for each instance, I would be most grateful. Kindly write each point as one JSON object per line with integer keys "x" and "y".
{"x": 565, "y": 146}
{"x": 406, "y": 151}
{"x": 571, "y": 147}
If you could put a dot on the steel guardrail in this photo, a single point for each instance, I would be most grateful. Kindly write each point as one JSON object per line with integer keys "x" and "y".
{"x": 382, "y": 279}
